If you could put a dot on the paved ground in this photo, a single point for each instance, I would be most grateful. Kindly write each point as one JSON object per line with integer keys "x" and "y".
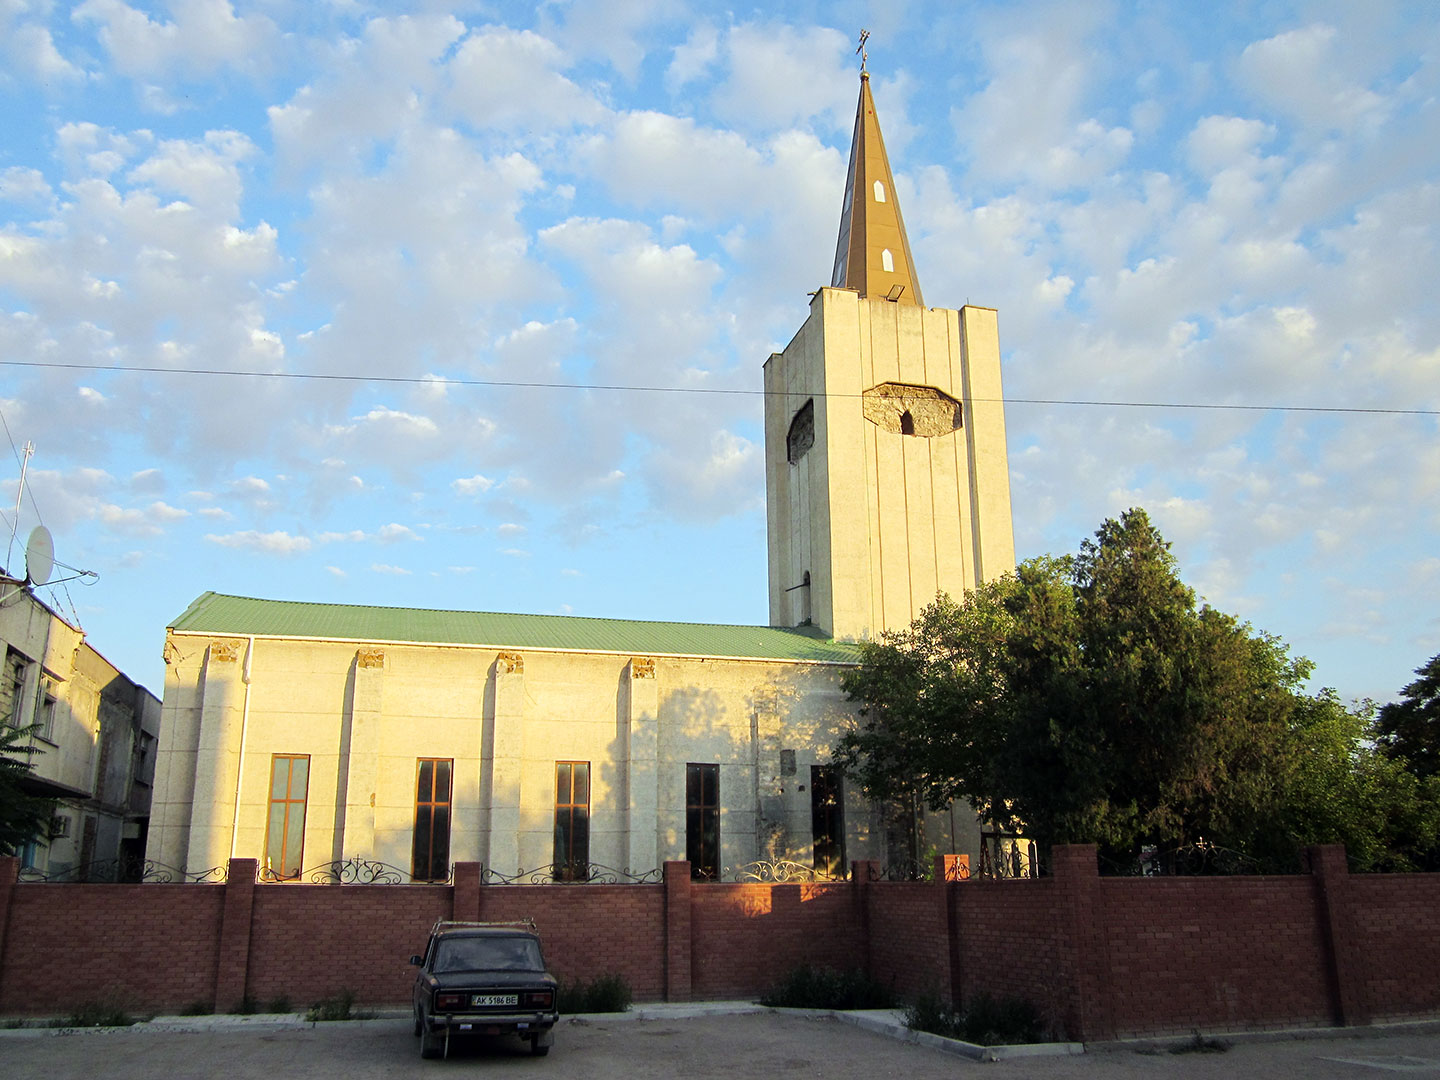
{"x": 766, "y": 1044}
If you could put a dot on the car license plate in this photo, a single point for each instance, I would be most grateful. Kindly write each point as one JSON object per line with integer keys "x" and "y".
{"x": 480, "y": 1001}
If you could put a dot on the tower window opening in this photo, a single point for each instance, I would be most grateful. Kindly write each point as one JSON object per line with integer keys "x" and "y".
{"x": 879, "y": 191}
{"x": 887, "y": 261}
{"x": 907, "y": 423}
{"x": 802, "y": 433}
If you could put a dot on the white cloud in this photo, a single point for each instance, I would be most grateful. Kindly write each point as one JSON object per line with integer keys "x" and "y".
{"x": 335, "y": 571}
{"x": 386, "y": 568}
{"x": 1308, "y": 73}
{"x": 473, "y": 485}
{"x": 393, "y": 532}
{"x": 29, "y": 50}
{"x": 692, "y": 59}
{"x": 205, "y": 35}
{"x": 271, "y": 543}
{"x": 511, "y": 79}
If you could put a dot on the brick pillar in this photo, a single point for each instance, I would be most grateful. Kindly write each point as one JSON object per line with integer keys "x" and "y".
{"x": 233, "y": 963}
{"x": 862, "y": 873}
{"x": 677, "y": 931}
{"x": 465, "y": 894}
{"x": 1332, "y": 888}
{"x": 9, "y": 874}
{"x": 1085, "y": 994}
{"x": 949, "y": 871}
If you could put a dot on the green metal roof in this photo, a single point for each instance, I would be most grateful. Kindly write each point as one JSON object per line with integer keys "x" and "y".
{"x": 216, "y": 613}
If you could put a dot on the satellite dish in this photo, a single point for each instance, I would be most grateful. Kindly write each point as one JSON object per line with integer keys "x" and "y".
{"x": 39, "y": 556}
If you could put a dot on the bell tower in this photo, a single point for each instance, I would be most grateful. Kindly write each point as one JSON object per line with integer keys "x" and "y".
{"x": 886, "y": 472}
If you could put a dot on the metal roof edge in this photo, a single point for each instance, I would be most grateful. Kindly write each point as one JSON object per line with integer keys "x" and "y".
{"x": 518, "y": 648}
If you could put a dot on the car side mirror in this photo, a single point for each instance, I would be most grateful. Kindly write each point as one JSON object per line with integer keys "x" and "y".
{"x": 417, "y": 960}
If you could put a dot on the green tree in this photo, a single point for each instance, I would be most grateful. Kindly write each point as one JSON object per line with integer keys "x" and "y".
{"x": 1091, "y": 699}
{"x": 23, "y": 817}
{"x": 1409, "y": 729}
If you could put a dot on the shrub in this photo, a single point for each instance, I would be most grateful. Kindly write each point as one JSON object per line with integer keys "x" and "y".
{"x": 989, "y": 1021}
{"x": 807, "y": 987}
{"x": 339, "y": 1007}
{"x": 605, "y": 993}
{"x": 106, "y": 1012}
{"x": 197, "y": 1008}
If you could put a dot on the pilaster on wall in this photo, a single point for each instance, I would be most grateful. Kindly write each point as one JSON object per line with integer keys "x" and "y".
{"x": 9, "y": 874}
{"x": 360, "y": 755}
{"x": 465, "y": 897}
{"x": 507, "y": 761}
{"x": 1083, "y": 956}
{"x": 678, "y": 966}
{"x": 217, "y": 757}
{"x": 642, "y": 723}
{"x": 1332, "y": 881}
{"x": 233, "y": 964}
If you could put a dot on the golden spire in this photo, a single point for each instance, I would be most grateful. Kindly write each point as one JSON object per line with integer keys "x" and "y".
{"x": 873, "y": 253}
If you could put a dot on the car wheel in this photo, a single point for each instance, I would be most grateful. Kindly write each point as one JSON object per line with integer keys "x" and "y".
{"x": 432, "y": 1045}
{"x": 538, "y": 1048}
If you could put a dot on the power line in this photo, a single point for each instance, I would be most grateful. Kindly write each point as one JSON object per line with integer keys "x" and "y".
{"x": 412, "y": 380}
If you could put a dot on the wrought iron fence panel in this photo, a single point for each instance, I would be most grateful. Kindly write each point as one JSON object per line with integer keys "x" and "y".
{"x": 1008, "y": 857}
{"x": 1200, "y": 859}
{"x": 571, "y": 874}
{"x": 354, "y": 871}
{"x": 122, "y": 872}
{"x": 780, "y": 871}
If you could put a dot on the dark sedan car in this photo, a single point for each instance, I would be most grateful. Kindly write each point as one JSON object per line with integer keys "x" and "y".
{"x": 483, "y": 979}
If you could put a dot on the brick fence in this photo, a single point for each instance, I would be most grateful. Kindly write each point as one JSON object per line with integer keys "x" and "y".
{"x": 1102, "y": 957}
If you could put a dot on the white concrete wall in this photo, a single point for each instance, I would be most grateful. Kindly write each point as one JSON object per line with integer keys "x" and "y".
{"x": 883, "y": 521}
{"x": 364, "y": 714}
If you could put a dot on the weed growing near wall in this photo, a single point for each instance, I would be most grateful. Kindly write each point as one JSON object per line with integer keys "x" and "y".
{"x": 989, "y": 1021}
{"x": 807, "y": 987}
{"x": 605, "y": 993}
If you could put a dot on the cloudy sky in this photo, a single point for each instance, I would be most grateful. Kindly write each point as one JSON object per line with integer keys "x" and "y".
{"x": 295, "y": 296}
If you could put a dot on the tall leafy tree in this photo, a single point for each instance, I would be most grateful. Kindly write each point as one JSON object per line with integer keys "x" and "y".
{"x": 1091, "y": 699}
{"x": 24, "y": 818}
{"x": 1409, "y": 729}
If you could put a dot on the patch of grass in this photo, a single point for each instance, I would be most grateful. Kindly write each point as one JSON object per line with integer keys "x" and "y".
{"x": 106, "y": 1012}
{"x": 279, "y": 1004}
{"x": 14, "y": 1023}
{"x": 989, "y": 1021}
{"x": 604, "y": 993}
{"x": 340, "y": 1006}
{"x": 197, "y": 1008}
{"x": 808, "y": 987}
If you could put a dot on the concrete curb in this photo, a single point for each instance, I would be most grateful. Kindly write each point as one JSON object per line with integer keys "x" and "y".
{"x": 1318, "y": 1034}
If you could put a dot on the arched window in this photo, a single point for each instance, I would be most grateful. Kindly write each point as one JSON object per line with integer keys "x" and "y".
{"x": 887, "y": 261}
{"x": 907, "y": 423}
{"x": 879, "y": 191}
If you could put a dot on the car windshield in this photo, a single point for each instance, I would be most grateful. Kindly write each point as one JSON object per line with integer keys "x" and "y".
{"x": 488, "y": 954}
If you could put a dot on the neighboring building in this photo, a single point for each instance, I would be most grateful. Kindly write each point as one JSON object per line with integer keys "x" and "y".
{"x": 308, "y": 734}
{"x": 97, "y": 742}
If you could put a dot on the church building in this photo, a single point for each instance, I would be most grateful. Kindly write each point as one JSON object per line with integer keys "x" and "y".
{"x": 554, "y": 747}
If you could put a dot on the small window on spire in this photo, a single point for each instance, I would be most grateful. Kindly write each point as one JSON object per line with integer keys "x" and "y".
{"x": 907, "y": 423}
{"x": 887, "y": 261}
{"x": 879, "y": 191}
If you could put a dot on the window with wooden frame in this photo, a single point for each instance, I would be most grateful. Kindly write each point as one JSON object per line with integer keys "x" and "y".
{"x": 430, "y": 853}
{"x": 572, "y": 821}
{"x": 702, "y": 820}
{"x": 827, "y": 819}
{"x": 285, "y": 829}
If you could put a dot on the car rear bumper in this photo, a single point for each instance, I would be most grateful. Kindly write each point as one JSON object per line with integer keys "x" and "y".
{"x": 492, "y": 1023}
